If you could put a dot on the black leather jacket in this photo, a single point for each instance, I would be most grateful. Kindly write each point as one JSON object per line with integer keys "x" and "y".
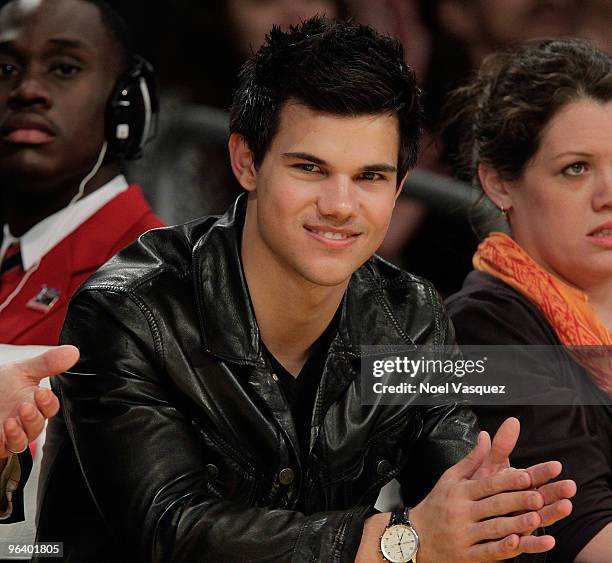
{"x": 183, "y": 435}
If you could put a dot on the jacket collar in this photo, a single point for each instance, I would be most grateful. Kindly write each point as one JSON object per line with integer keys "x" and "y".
{"x": 227, "y": 320}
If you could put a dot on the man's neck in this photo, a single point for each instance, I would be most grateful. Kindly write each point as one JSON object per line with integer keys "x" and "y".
{"x": 24, "y": 206}
{"x": 291, "y": 313}
{"x": 289, "y": 326}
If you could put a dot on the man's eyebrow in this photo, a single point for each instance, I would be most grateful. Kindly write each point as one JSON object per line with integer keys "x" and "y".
{"x": 9, "y": 46}
{"x": 70, "y": 43}
{"x": 305, "y": 156}
{"x": 380, "y": 167}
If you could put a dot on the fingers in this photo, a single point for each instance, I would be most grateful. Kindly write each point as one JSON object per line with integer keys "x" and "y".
{"x": 52, "y": 362}
{"x": 536, "y": 544}
{"x": 512, "y": 480}
{"x": 47, "y": 402}
{"x": 471, "y": 462}
{"x": 509, "y": 547}
{"x": 555, "y": 511}
{"x": 498, "y": 528}
{"x": 544, "y": 472}
{"x": 558, "y": 490}
{"x": 15, "y": 439}
{"x": 504, "y": 441}
{"x": 506, "y": 503}
{"x": 495, "y": 550}
{"x": 32, "y": 421}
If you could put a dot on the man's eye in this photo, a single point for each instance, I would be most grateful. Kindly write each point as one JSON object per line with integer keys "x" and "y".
{"x": 7, "y": 69}
{"x": 371, "y": 176}
{"x": 307, "y": 167}
{"x": 575, "y": 169}
{"x": 65, "y": 70}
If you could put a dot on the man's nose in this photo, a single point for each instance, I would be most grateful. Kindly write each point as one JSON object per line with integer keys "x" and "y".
{"x": 30, "y": 90}
{"x": 338, "y": 199}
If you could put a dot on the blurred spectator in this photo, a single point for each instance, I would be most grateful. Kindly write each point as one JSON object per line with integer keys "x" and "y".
{"x": 400, "y": 19}
{"x": 595, "y": 23}
{"x": 200, "y": 64}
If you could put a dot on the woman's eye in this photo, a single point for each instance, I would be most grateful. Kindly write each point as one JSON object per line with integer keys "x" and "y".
{"x": 575, "y": 169}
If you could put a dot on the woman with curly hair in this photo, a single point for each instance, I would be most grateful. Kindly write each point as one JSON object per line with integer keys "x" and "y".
{"x": 537, "y": 127}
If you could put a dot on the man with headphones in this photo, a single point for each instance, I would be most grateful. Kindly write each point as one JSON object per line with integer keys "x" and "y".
{"x": 74, "y": 102}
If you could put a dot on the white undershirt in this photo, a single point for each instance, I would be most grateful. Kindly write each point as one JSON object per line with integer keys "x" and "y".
{"x": 44, "y": 236}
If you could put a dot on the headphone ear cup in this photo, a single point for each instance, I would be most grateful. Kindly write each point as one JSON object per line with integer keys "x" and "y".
{"x": 132, "y": 111}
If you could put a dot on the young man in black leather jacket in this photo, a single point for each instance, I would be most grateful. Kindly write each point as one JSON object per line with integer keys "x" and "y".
{"x": 216, "y": 411}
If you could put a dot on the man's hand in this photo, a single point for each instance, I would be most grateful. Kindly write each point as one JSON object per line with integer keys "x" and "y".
{"x": 23, "y": 405}
{"x": 556, "y": 504}
{"x": 481, "y": 510}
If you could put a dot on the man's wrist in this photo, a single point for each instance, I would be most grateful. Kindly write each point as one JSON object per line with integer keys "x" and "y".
{"x": 417, "y": 522}
{"x": 373, "y": 528}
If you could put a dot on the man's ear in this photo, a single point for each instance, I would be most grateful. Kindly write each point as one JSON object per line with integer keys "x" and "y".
{"x": 400, "y": 186}
{"x": 241, "y": 159}
{"x": 495, "y": 187}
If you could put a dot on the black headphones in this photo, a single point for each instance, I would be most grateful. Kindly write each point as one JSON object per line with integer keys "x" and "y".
{"x": 132, "y": 111}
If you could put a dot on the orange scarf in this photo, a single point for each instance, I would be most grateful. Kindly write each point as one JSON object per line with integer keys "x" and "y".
{"x": 566, "y": 308}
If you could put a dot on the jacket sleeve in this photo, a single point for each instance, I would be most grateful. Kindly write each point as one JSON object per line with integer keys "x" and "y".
{"x": 12, "y": 482}
{"x": 145, "y": 465}
{"x": 449, "y": 431}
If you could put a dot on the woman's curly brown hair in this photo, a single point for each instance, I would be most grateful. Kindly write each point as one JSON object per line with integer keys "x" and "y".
{"x": 504, "y": 110}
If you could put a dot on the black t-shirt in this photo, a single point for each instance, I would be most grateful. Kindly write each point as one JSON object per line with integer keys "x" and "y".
{"x": 300, "y": 392}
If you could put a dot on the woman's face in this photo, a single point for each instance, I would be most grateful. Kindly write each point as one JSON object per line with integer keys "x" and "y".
{"x": 562, "y": 205}
{"x": 252, "y": 19}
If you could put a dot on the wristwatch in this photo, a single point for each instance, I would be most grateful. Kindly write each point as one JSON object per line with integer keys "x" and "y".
{"x": 399, "y": 542}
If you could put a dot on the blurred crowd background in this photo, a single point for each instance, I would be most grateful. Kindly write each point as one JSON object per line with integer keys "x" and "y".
{"x": 198, "y": 46}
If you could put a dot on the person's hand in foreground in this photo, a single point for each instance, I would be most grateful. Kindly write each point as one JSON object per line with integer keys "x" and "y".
{"x": 24, "y": 406}
{"x": 481, "y": 509}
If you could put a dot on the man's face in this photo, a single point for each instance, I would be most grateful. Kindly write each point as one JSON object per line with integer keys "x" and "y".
{"x": 322, "y": 198}
{"x": 57, "y": 68}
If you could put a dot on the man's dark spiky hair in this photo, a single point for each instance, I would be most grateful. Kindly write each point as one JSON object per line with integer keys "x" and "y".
{"x": 340, "y": 68}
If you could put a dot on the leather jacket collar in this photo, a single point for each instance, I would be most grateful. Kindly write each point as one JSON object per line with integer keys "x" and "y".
{"x": 227, "y": 320}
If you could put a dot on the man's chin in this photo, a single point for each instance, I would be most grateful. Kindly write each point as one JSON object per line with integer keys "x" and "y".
{"x": 329, "y": 278}
{"x": 27, "y": 163}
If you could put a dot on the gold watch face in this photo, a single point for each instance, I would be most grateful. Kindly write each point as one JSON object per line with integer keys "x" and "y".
{"x": 399, "y": 543}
